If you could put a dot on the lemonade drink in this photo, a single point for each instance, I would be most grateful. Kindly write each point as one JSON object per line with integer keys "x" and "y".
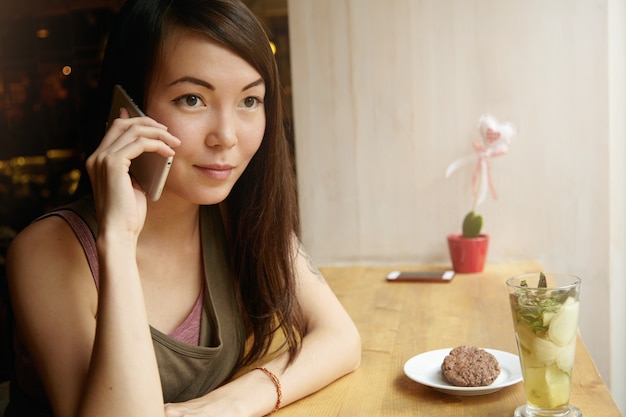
{"x": 545, "y": 318}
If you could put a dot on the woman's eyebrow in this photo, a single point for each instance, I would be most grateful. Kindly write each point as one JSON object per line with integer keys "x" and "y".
{"x": 192, "y": 80}
{"x": 202, "y": 83}
{"x": 253, "y": 84}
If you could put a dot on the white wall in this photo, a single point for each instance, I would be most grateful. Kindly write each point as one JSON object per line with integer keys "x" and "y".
{"x": 388, "y": 92}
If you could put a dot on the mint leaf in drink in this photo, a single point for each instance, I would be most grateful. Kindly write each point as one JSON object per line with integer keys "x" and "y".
{"x": 534, "y": 310}
{"x": 536, "y": 307}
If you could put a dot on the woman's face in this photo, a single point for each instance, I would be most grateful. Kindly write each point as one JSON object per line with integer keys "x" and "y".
{"x": 212, "y": 100}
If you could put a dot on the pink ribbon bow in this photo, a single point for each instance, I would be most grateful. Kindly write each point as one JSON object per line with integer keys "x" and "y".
{"x": 495, "y": 142}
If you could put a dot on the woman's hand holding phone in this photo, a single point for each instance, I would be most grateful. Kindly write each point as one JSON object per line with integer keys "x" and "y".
{"x": 118, "y": 199}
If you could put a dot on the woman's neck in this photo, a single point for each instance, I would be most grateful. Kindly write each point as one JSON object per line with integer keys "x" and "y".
{"x": 174, "y": 221}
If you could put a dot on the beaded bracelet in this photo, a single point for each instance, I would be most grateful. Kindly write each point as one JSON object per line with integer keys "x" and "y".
{"x": 279, "y": 392}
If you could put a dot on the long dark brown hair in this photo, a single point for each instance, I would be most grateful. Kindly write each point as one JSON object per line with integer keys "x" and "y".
{"x": 263, "y": 227}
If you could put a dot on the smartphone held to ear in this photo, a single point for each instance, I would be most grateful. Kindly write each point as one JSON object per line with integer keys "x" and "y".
{"x": 420, "y": 276}
{"x": 149, "y": 169}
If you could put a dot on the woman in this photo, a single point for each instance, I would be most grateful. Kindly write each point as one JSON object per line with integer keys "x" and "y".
{"x": 192, "y": 289}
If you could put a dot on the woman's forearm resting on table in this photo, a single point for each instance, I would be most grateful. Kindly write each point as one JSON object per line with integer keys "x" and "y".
{"x": 323, "y": 359}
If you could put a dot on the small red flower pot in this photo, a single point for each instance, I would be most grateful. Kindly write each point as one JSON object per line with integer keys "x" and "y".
{"x": 468, "y": 254}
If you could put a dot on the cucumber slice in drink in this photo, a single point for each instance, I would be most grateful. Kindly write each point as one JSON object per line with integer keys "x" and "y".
{"x": 564, "y": 324}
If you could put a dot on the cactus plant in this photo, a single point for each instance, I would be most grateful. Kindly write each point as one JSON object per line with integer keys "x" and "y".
{"x": 472, "y": 224}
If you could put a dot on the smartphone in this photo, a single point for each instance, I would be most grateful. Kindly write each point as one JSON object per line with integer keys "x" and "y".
{"x": 149, "y": 169}
{"x": 420, "y": 276}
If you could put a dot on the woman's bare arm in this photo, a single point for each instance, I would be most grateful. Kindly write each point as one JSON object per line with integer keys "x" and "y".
{"x": 95, "y": 357}
{"x": 54, "y": 304}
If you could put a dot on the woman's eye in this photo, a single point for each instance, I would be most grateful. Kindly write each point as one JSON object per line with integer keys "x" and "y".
{"x": 251, "y": 102}
{"x": 189, "y": 100}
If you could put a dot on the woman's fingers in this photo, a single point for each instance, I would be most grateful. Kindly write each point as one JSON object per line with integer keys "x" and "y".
{"x": 130, "y": 137}
{"x": 124, "y": 130}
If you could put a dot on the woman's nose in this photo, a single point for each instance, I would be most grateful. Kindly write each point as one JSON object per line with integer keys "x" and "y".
{"x": 221, "y": 129}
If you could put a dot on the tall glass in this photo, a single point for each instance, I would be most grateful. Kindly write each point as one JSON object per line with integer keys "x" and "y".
{"x": 545, "y": 311}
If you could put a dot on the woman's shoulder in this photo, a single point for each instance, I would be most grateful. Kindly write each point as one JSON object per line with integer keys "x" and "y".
{"x": 44, "y": 251}
{"x": 45, "y": 235}
{"x": 52, "y": 233}
{"x": 41, "y": 232}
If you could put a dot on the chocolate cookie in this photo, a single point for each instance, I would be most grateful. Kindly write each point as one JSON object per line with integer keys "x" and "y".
{"x": 468, "y": 366}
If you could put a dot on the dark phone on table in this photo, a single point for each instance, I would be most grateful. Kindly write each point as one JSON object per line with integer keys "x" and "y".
{"x": 149, "y": 169}
{"x": 420, "y": 276}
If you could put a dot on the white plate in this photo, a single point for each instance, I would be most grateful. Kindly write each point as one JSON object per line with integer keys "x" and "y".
{"x": 425, "y": 368}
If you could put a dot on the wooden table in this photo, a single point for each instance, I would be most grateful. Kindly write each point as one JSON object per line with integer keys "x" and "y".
{"x": 400, "y": 320}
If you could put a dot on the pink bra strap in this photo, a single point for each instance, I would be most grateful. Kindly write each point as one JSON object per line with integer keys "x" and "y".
{"x": 189, "y": 330}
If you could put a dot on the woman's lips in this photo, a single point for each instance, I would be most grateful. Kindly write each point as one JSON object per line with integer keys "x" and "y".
{"x": 217, "y": 172}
